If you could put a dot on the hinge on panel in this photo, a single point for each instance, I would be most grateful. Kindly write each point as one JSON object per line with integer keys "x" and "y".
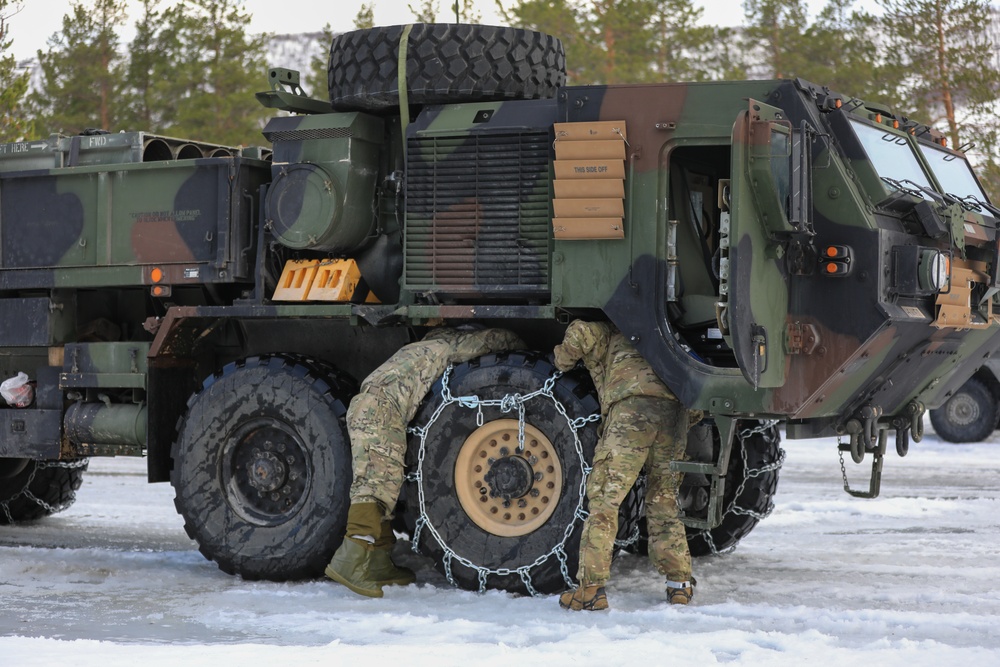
{"x": 801, "y": 338}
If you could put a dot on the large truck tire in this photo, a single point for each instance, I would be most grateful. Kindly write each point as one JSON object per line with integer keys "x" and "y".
{"x": 445, "y": 63}
{"x": 751, "y": 482}
{"x": 262, "y": 468}
{"x": 970, "y": 415}
{"x": 31, "y": 490}
{"x": 526, "y": 538}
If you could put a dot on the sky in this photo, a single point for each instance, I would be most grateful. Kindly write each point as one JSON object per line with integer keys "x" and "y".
{"x": 905, "y": 580}
{"x": 39, "y": 19}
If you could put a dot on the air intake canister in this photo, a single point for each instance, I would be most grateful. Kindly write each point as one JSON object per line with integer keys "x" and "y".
{"x": 323, "y": 177}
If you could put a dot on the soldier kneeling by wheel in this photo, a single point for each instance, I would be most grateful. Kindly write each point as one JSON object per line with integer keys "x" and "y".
{"x": 376, "y": 425}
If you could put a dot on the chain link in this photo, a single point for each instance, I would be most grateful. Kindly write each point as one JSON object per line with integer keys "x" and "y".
{"x": 506, "y": 404}
{"x": 630, "y": 540}
{"x": 765, "y": 430}
{"x": 25, "y": 491}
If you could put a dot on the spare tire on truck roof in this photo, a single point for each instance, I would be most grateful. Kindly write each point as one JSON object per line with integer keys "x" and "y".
{"x": 445, "y": 63}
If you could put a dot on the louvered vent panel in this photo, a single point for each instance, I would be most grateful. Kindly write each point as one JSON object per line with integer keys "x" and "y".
{"x": 478, "y": 215}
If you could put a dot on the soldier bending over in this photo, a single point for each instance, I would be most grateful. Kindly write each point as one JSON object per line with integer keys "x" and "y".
{"x": 376, "y": 425}
{"x": 643, "y": 424}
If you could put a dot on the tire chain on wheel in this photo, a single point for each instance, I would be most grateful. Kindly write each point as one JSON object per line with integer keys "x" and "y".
{"x": 498, "y": 373}
{"x": 267, "y": 552}
{"x": 40, "y": 489}
{"x": 445, "y": 63}
{"x": 741, "y": 513}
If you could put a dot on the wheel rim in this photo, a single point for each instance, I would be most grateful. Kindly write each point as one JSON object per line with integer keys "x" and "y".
{"x": 265, "y": 472}
{"x": 504, "y": 491}
{"x": 963, "y": 409}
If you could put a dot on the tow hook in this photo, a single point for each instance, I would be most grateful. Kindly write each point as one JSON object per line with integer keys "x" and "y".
{"x": 909, "y": 424}
{"x": 863, "y": 432}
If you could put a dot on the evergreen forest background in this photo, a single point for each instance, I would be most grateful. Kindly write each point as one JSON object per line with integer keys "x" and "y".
{"x": 192, "y": 68}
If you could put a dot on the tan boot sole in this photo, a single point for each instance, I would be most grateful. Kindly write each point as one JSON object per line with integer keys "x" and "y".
{"x": 367, "y": 592}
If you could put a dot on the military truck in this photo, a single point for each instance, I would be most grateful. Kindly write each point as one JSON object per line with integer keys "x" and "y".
{"x": 973, "y": 410}
{"x": 776, "y": 250}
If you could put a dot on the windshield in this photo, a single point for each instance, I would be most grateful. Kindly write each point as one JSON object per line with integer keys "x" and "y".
{"x": 891, "y": 155}
{"x": 953, "y": 173}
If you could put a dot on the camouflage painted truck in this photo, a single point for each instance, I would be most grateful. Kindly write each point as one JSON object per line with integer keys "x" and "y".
{"x": 776, "y": 250}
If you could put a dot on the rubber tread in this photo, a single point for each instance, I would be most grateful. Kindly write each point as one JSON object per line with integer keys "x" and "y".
{"x": 492, "y": 377}
{"x": 307, "y": 395}
{"x": 55, "y": 486}
{"x": 974, "y": 431}
{"x": 445, "y": 63}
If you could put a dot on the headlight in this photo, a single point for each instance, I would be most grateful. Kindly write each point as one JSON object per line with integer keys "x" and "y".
{"x": 934, "y": 270}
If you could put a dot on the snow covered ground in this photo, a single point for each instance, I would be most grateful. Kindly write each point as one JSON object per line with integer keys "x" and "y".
{"x": 909, "y": 579}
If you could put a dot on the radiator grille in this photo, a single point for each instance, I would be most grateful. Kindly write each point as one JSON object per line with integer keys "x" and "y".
{"x": 478, "y": 218}
{"x": 306, "y": 135}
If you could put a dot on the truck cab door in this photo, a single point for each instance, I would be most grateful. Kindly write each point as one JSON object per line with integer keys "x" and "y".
{"x": 755, "y": 282}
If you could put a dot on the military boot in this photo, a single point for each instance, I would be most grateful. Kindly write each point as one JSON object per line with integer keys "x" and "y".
{"x": 584, "y": 598}
{"x": 351, "y": 566}
{"x": 680, "y": 592}
{"x": 352, "y": 563}
{"x": 382, "y": 569}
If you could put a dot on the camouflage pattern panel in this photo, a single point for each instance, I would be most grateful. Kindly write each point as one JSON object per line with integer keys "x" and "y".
{"x": 678, "y": 150}
{"x": 478, "y": 201}
{"x": 660, "y": 119}
{"x": 104, "y": 365}
{"x": 756, "y": 278}
{"x": 866, "y": 302}
{"x": 325, "y": 171}
{"x": 173, "y": 222}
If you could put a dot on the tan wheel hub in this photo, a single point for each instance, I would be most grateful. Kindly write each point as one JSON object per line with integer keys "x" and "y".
{"x": 506, "y": 491}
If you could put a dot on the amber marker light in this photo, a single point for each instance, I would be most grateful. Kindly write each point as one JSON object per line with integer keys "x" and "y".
{"x": 878, "y": 118}
{"x": 839, "y": 103}
{"x": 831, "y": 267}
{"x": 156, "y": 275}
{"x": 831, "y": 251}
{"x": 895, "y": 124}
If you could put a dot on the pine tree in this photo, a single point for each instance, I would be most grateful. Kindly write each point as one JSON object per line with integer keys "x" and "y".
{"x": 465, "y": 11}
{"x": 146, "y": 68}
{"x": 316, "y": 81}
{"x": 559, "y": 18}
{"x": 365, "y": 17}
{"x": 206, "y": 69}
{"x": 82, "y": 71}
{"x": 841, "y": 50}
{"x": 426, "y": 12}
{"x": 620, "y": 39}
{"x": 14, "y": 124}
{"x": 776, "y": 30}
{"x": 944, "y": 47}
{"x": 685, "y": 50}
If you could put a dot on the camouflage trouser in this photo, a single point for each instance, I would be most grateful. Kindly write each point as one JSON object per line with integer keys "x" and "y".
{"x": 639, "y": 431}
{"x": 378, "y": 448}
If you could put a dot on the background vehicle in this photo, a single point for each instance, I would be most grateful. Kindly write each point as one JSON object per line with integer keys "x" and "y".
{"x": 776, "y": 250}
{"x": 971, "y": 413}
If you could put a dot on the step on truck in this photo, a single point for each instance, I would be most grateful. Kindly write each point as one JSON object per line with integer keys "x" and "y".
{"x": 778, "y": 252}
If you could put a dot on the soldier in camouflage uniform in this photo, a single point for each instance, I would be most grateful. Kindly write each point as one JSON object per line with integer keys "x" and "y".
{"x": 376, "y": 424}
{"x": 643, "y": 424}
